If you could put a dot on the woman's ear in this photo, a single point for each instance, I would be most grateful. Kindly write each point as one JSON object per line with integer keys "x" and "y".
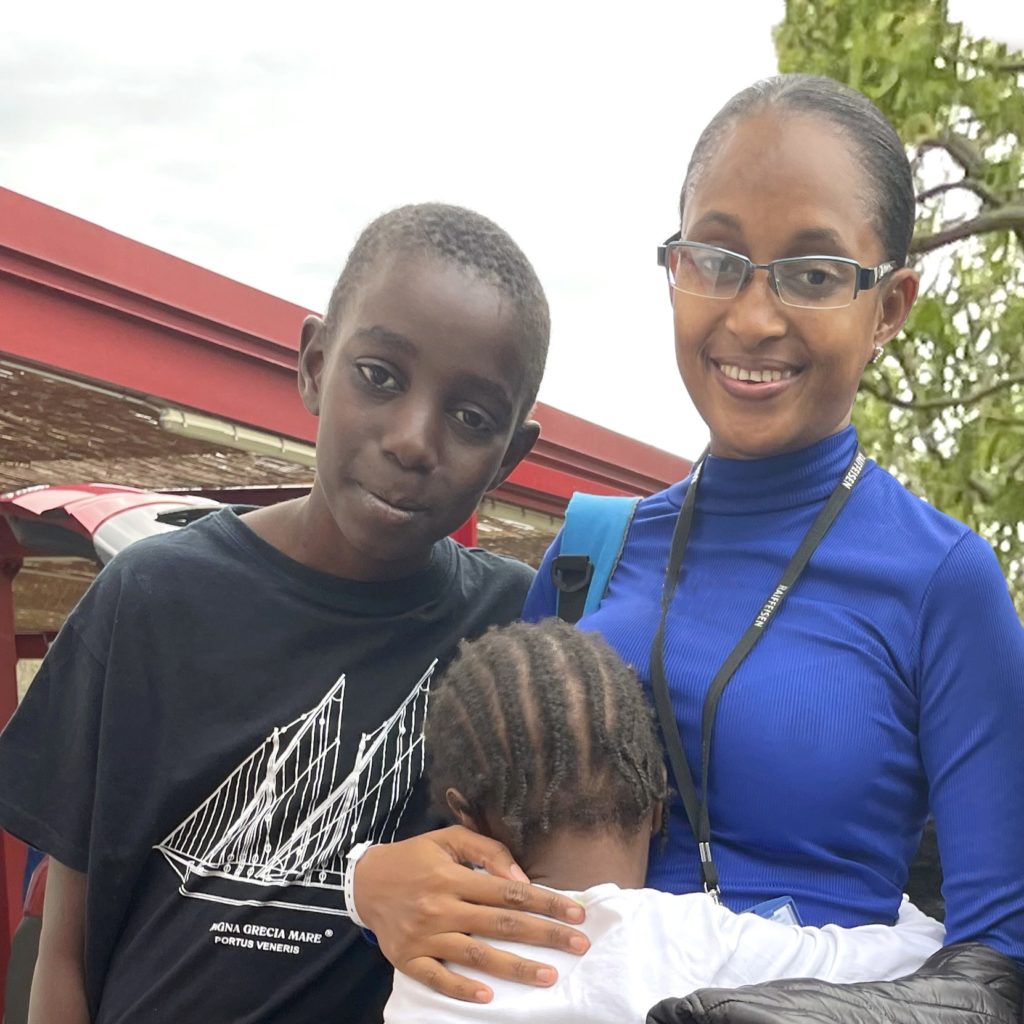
{"x": 312, "y": 356}
{"x": 459, "y": 807}
{"x": 898, "y": 297}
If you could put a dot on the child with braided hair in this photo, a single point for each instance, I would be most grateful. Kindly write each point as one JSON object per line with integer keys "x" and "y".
{"x": 540, "y": 736}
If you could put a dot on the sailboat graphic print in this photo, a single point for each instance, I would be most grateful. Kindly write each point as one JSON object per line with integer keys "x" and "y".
{"x": 277, "y": 830}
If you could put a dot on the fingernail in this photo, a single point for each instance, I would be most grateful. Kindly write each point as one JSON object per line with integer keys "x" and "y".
{"x": 576, "y": 914}
{"x": 482, "y": 995}
{"x": 578, "y": 944}
{"x": 546, "y": 976}
{"x": 518, "y": 874}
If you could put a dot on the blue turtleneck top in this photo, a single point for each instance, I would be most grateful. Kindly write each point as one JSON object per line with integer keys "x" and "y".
{"x": 889, "y": 685}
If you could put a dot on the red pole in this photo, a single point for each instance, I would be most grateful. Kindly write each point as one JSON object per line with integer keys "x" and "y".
{"x": 12, "y": 852}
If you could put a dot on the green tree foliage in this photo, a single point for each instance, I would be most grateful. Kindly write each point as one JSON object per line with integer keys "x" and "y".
{"x": 945, "y": 408}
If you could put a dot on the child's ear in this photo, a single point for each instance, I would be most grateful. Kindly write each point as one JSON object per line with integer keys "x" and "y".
{"x": 518, "y": 448}
{"x": 661, "y": 807}
{"x": 459, "y": 806}
{"x": 658, "y": 818}
{"x": 312, "y": 356}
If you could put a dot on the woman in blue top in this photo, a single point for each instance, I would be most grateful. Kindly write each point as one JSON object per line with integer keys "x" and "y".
{"x": 887, "y": 681}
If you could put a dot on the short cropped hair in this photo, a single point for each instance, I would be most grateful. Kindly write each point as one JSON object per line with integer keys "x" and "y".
{"x": 873, "y": 141}
{"x": 545, "y": 728}
{"x": 475, "y": 244}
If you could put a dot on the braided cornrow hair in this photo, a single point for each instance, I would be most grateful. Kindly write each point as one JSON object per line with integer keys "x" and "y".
{"x": 544, "y": 727}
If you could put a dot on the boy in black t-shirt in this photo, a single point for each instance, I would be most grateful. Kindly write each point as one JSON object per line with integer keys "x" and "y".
{"x": 232, "y": 707}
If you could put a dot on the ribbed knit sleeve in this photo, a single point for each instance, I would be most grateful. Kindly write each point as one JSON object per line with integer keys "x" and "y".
{"x": 971, "y": 695}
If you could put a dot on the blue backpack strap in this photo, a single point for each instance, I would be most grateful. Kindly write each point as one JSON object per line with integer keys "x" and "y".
{"x": 593, "y": 537}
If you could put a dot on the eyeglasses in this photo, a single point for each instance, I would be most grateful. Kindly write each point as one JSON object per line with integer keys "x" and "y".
{"x": 807, "y": 282}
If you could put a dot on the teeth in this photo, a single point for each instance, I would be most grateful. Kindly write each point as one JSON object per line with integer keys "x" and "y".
{"x": 756, "y": 376}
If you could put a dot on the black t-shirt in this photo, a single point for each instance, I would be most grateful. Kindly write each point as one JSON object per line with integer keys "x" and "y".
{"x": 212, "y": 731}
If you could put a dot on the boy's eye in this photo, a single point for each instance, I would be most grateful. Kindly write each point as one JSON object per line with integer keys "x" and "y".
{"x": 378, "y": 376}
{"x": 475, "y": 420}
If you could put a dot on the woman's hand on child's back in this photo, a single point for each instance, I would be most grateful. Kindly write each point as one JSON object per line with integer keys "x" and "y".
{"x": 427, "y": 908}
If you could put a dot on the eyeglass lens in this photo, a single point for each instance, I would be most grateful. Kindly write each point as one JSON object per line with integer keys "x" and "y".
{"x": 813, "y": 283}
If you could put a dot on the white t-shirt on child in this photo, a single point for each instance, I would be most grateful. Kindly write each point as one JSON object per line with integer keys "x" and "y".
{"x": 646, "y": 945}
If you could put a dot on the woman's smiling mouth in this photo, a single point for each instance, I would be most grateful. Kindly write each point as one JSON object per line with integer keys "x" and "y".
{"x": 764, "y": 376}
{"x": 754, "y": 381}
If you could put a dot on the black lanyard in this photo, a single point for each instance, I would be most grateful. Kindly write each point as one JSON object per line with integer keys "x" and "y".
{"x": 697, "y": 810}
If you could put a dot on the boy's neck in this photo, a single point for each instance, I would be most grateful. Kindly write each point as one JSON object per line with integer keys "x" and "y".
{"x": 575, "y": 861}
{"x": 303, "y": 530}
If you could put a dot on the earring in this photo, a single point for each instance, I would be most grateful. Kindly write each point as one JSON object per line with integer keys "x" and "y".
{"x": 877, "y": 355}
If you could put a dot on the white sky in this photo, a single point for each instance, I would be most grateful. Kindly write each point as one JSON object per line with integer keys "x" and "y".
{"x": 258, "y": 139}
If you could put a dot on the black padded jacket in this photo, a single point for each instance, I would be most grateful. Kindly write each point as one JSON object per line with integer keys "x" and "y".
{"x": 963, "y": 984}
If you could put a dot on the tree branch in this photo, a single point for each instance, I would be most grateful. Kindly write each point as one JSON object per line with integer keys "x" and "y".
{"x": 962, "y": 150}
{"x": 992, "y": 67}
{"x": 941, "y": 403}
{"x": 884, "y": 394}
{"x": 933, "y": 448}
{"x": 1005, "y": 421}
{"x": 1017, "y": 464}
{"x": 909, "y": 363}
{"x": 967, "y": 184}
{"x": 982, "y": 489}
{"x": 1007, "y": 218}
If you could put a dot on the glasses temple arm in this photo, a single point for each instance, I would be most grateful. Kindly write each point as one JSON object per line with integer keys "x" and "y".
{"x": 663, "y": 248}
{"x": 868, "y": 277}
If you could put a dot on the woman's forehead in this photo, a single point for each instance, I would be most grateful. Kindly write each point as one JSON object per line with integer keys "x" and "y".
{"x": 784, "y": 177}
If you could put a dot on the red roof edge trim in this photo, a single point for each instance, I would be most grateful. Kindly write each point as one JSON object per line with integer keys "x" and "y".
{"x": 77, "y": 248}
{"x": 32, "y": 272}
{"x": 570, "y": 438}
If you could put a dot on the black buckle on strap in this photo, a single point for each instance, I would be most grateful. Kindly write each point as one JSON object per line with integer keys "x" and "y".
{"x": 572, "y": 573}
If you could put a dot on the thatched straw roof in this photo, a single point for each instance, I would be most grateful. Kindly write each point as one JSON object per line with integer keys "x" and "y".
{"x": 58, "y": 431}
